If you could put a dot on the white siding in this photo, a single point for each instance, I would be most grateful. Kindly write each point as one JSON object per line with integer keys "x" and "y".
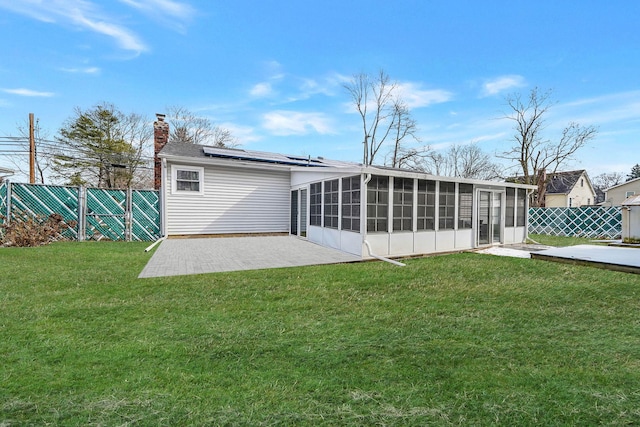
{"x": 235, "y": 200}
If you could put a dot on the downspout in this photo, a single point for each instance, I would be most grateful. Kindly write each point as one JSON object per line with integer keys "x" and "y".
{"x": 364, "y": 240}
{"x": 381, "y": 258}
{"x": 163, "y": 231}
{"x": 151, "y": 246}
{"x": 526, "y": 222}
{"x": 163, "y": 202}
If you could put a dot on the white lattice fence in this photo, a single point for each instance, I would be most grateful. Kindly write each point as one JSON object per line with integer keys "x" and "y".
{"x": 591, "y": 222}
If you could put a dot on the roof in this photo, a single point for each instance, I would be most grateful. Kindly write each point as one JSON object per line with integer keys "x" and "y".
{"x": 563, "y": 182}
{"x": 262, "y": 159}
{"x": 5, "y": 171}
{"x": 205, "y": 151}
{"x": 631, "y": 181}
{"x": 632, "y": 201}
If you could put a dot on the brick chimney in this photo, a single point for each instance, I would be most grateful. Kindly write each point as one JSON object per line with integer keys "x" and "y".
{"x": 160, "y": 138}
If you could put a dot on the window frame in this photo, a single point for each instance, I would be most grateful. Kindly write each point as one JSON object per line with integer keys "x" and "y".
{"x": 351, "y": 200}
{"x": 446, "y": 206}
{"x": 426, "y": 215}
{"x": 331, "y": 200}
{"x": 402, "y": 204}
{"x": 510, "y": 207}
{"x": 174, "y": 180}
{"x": 521, "y": 208}
{"x": 466, "y": 204}
{"x": 378, "y": 201}
{"x": 315, "y": 204}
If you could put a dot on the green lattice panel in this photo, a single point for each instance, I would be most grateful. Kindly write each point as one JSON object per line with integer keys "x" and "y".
{"x": 40, "y": 201}
{"x": 3, "y": 201}
{"x": 145, "y": 215}
{"x": 591, "y": 222}
{"x": 105, "y": 214}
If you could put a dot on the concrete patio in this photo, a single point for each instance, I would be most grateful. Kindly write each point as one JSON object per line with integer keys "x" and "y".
{"x": 176, "y": 257}
{"x": 608, "y": 257}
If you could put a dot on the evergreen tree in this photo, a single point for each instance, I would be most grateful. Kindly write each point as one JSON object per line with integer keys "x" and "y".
{"x": 635, "y": 172}
{"x": 101, "y": 147}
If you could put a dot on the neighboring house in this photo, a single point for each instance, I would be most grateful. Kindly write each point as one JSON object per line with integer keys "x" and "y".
{"x": 362, "y": 210}
{"x": 617, "y": 194}
{"x": 570, "y": 189}
{"x": 631, "y": 219}
{"x": 4, "y": 173}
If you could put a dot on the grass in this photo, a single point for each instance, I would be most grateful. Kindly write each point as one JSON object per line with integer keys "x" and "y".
{"x": 548, "y": 240}
{"x": 466, "y": 339}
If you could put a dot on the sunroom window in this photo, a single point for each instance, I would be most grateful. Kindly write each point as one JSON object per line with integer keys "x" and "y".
{"x": 351, "y": 203}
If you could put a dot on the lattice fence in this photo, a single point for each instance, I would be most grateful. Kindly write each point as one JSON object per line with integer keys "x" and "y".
{"x": 591, "y": 222}
{"x": 3, "y": 201}
{"x": 100, "y": 214}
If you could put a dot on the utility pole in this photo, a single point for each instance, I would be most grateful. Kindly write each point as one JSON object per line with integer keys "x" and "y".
{"x": 32, "y": 151}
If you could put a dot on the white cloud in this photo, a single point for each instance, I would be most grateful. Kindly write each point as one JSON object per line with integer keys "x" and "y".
{"x": 169, "y": 12}
{"x": 245, "y": 134}
{"x": 415, "y": 97}
{"x": 123, "y": 37}
{"x": 326, "y": 85}
{"x": 261, "y": 90}
{"x": 285, "y": 123}
{"x": 86, "y": 70}
{"x": 28, "y": 92}
{"x": 502, "y": 83}
{"x": 80, "y": 14}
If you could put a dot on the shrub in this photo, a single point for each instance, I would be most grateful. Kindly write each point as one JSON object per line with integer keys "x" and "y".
{"x": 28, "y": 231}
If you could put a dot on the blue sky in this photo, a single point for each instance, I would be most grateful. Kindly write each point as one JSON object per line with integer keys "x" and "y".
{"x": 272, "y": 71}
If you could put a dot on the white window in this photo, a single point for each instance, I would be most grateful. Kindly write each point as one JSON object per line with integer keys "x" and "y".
{"x": 187, "y": 180}
{"x": 629, "y": 194}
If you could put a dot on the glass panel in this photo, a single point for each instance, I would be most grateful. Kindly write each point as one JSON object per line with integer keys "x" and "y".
{"x": 509, "y": 212}
{"x": 520, "y": 206}
{"x": 483, "y": 219}
{"x": 294, "y": 212}
{"x": 495, "y": 217}
{"x": 303, "y": 213}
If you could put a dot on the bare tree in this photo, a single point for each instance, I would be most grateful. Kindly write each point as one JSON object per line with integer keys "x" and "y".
{"x": 187, "y": 127}
{"x": 463, "y": 161}
{"x": 469, "y": 161}
{"x": 607, "y": 180}
{"x": 373, "y": 98}
{"x": 42, "y": 150}
{"x": 535, "y": 155}
{"x": 404, "y": 127}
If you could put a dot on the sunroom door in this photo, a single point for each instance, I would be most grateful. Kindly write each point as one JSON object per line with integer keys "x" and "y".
{"x": 299, "y": 213}
{"x": 489, "y": 225}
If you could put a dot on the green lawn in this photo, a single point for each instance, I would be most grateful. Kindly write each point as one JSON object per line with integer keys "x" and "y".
{"x": 466, "y": 339}
{"x": 544, "y": 239}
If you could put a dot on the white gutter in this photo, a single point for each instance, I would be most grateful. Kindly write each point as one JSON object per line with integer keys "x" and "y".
{"x": 364, "y": 240}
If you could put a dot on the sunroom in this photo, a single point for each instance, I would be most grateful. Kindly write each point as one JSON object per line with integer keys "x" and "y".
{"x": 390, "y": 212}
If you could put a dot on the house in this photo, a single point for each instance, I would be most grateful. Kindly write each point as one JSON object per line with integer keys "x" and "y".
{"x": 617, "y": 194}
{"x": 363, "y": 210}
{"x": 570, "y": 189}
{"x": 631, "y": 219}
{"x": 5, "y": 173}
